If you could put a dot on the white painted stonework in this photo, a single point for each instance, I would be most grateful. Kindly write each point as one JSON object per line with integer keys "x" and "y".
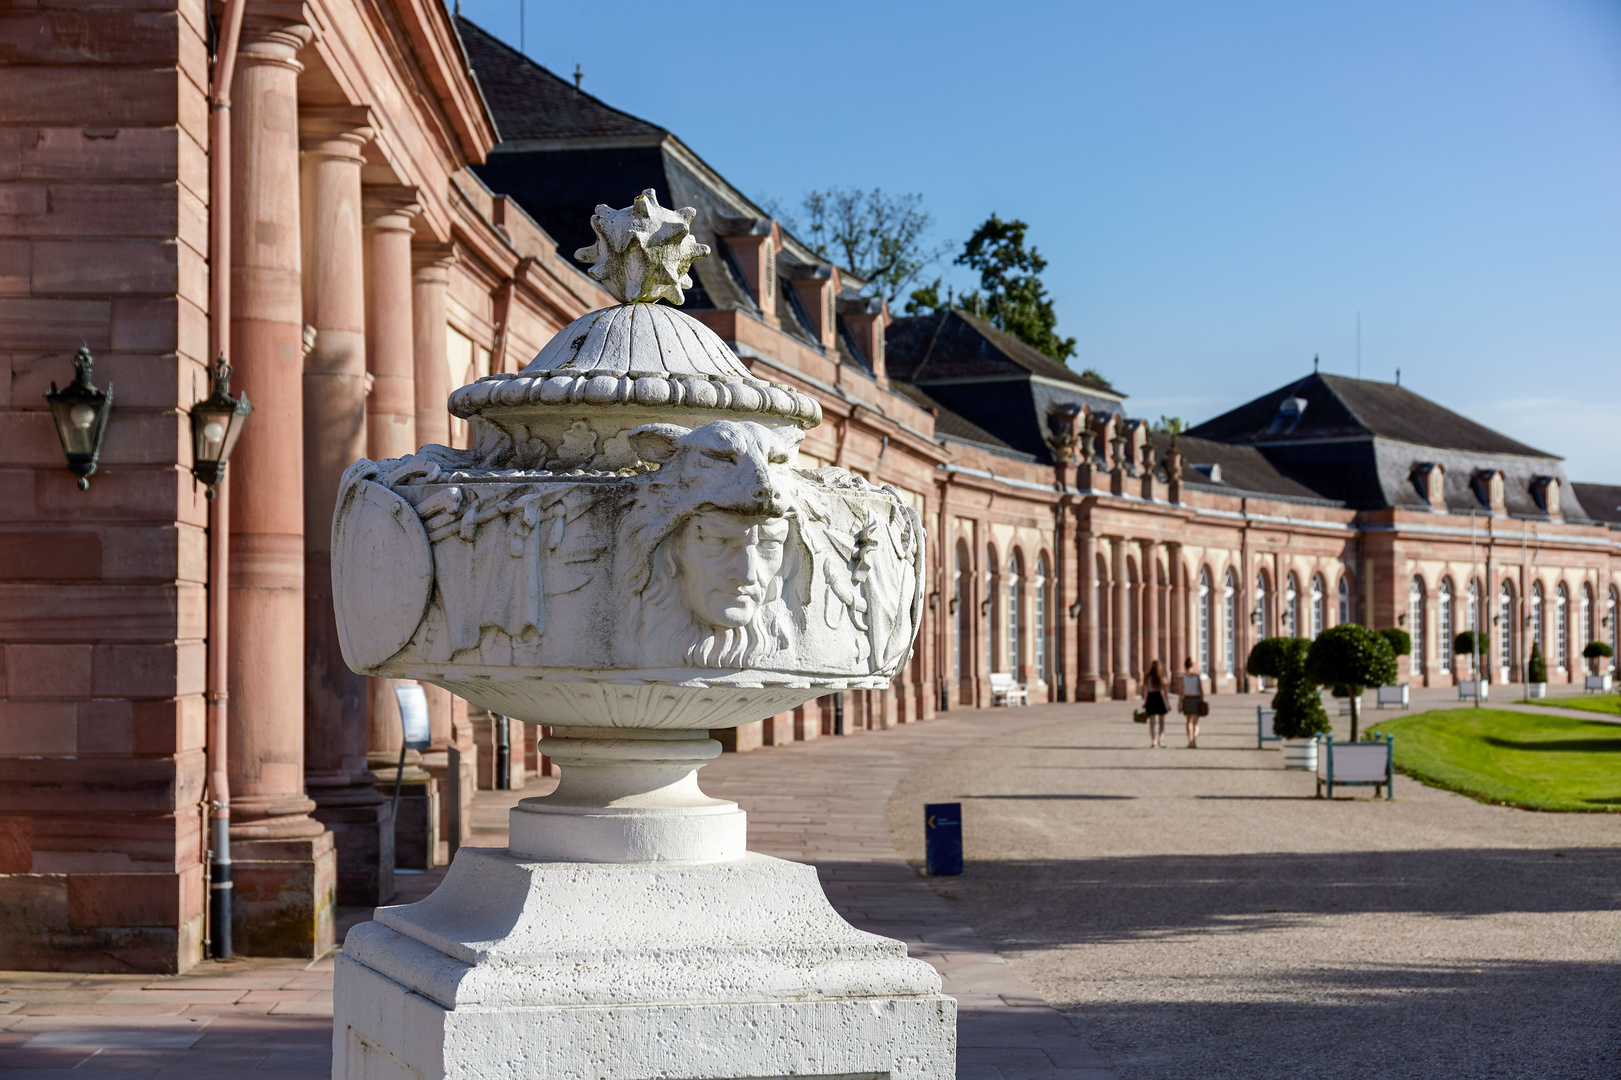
{"x": 627, "y": 554}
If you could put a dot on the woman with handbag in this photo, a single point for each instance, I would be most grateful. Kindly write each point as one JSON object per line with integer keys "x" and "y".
{"x": 1193, "y": 703}
{"x": 1154, "y": 705}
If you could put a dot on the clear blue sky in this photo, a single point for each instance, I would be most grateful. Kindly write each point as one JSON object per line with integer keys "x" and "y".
{"x": 1219, "y": 188}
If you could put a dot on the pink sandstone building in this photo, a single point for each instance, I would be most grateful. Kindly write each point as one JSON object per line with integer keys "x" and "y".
{"x": 378, "y": 206}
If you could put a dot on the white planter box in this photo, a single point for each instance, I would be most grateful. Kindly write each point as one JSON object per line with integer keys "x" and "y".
{"x": 1600, "y": 683}
{"x": 1393, "y": 695}
{"x": 1300, "y": 754}
{"x": 1536, "y": 690}
{"x": 1466, "y": 689}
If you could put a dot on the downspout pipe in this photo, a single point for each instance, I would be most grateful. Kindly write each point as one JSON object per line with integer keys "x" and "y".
{"x": 219, "y": 548}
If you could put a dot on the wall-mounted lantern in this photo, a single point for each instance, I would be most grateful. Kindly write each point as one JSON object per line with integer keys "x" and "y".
{"x": 80, "y": 413}
{"x": 1075, "y": 610}
{"x": 216, "y": 424}
{"x": 934, "y": 600}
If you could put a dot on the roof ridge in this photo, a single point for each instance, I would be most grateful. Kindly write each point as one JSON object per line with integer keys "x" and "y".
{"x": 996, "y": 336}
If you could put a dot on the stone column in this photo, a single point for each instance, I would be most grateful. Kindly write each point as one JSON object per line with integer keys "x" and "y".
{"x": 1177, "y": 611}
{"x": 1121, "y": 631}
{"x": 284, "y": 860}
{"x": 1088, "y": 685}
{"x": 335, "y": 698}
{"x": 391, "y": 405}
{"x": 1150, "y": 576}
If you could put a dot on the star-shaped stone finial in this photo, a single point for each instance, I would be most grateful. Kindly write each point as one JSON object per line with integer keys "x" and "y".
{"x": 643, "y": 251}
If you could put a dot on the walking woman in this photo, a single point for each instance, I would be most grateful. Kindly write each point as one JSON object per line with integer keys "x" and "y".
{"x": 1154, "y": 704}
{"x": 1193, "y": 705}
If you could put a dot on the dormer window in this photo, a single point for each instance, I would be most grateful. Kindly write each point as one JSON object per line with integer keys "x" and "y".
{"x": 1489, "y": 489}
{"x": 1430, "y": 480}
{"x": 1290, "y": 410}
{"x": 1212, "y": 472}
{"x": 1545, "y": 489}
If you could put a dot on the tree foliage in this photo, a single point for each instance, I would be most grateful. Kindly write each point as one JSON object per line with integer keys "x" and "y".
{"x": 1010, "y": 294}
{"x": 878, "y": 236}
{"x": 1350, "y": 657}
{"x": 1597, "y": 650}
{"x": 1401, "y": 642}
{"x": 1297, "y": 706}
{"x": 1464, "y": 643}
{"x": 1266, "y": 658}
{"x": 1170, "y": 425}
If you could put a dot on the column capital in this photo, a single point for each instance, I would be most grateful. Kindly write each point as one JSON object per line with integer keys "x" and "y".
{"x": 337, "y": 131}
{"x": 273, "y": 32}
{"x": 430, "y": 261}
{"x": 390, "y": 206}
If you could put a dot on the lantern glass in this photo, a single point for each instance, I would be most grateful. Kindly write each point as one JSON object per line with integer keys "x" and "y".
{"x": 216, "y": 424}
{"x": 79, "y": 411}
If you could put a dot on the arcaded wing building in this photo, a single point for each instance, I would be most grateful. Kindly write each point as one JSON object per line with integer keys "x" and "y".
{"x": 379, "y": 205}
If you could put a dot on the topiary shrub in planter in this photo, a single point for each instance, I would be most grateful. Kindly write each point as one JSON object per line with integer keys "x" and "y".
{"x": 1350, "y": 657}
{"x": 1297, "y": 707}
{"x": 1464, "y": 645}
{"x": 1536, "y": 673}
{"x": 1401, "y": 643}
{"x": 1266, "y": 658}
{"x": 1596, "y": 651}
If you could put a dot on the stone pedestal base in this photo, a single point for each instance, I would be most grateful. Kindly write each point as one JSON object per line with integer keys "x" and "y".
{"x": 365, "y": 841}
{"x": 517, "y": 969}
{"x": 284, "y": 892}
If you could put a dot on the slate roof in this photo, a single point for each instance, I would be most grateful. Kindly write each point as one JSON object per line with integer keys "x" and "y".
{"x": 530, "y": 102}
{"x": 1338, "y": 407}
{"x": 953, "y": 344}
{"x": 948, "y": 423}
{"x": 1245, "y": 470}
{"x": 1601, "y": 501}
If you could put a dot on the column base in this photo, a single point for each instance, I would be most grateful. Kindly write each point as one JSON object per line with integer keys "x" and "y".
{"x": 416, "y": 824}
{"x": 283, "y": 896}
{"x": 365, "y": 850}
{"x": 1125, "y": 688}
{"x": 520, "y": 970}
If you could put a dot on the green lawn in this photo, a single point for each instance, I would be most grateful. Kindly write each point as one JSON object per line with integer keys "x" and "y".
{"x": 1608, "y": 704}
{"x": 1513, "y": 758}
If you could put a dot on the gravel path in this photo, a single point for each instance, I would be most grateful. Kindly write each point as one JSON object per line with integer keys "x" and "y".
{"x": 1197, "y": 914}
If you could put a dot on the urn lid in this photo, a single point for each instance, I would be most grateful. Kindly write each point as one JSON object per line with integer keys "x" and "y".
{"x": 639, "y": 353}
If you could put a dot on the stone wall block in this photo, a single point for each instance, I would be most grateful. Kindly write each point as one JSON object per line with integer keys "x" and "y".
{"x": 105, "y": 727}
{"x": 24, "y": 204}
{"x": 124, "y": 899}
{"x": 131, "y": 493}
{"x": 102, "y": 211}
{"x": 16, "y": 268}
{"x": 101, "y": 785}
{"x": 67, "y": 613}
{"x": 44, "y": 671}
{"x": 148, "y": 553}
{"x": 109, "y": 267}
{"x": 168, "y": 669}
{"x": 38, "y": 727}
{"x": 16, "y": 845}
{"x": 57, "y": 555}
{"x": 114, "y": 97}
{"x": 102, "y": 843}
{"x": 100, "y": 154}
{"x": 89, "y": 37}
{"x": 53, "y": 325}
{"x": 139, "y": 380}
{"x": 30, "y": 905}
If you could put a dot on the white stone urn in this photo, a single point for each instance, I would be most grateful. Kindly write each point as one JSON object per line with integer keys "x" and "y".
{"x": 628, "y": 554}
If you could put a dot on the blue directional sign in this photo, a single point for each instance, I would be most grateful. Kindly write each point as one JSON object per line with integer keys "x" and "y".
{"x": 942, "y": 838}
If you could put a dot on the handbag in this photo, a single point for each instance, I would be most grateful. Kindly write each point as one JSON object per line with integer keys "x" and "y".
{"x": 1204, "y": 707}
{"x": 1140, "y": 716}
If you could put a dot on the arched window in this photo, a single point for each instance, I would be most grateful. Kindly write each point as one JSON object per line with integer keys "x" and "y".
{"x": 1013, "y": 614}
{"x": 1318, "y": 601}
{"x": 1040, "y": 630}
{"x": 1505, "y": 629}
{"x": 1415, "y": 624}
{"x": 1443, "y": 618}
{"x": 1537, "y": 640}
{"x": 1206, "y": 661}
{"x": 1344, "y": 613}
{"x": 1612, "y": 612}
{"x": 1263, "y": 620}
{"x": 1291, "y": 605}
{"x": 1229, "y": 622}
{"x": 964, "y": 611}
{"x": 1586, "y": 621}
{"x": 1561, "y": 625}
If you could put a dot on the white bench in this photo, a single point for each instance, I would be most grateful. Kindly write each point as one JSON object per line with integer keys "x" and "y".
{"x": 1360, "y": 764}
{"x": 1392, "y": 695}
{"x": 1004, "y": 691}
{"x": 1263, "y": 726}
{"x": 1466, "y": 689}
{"x": 1597, "y": 683}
